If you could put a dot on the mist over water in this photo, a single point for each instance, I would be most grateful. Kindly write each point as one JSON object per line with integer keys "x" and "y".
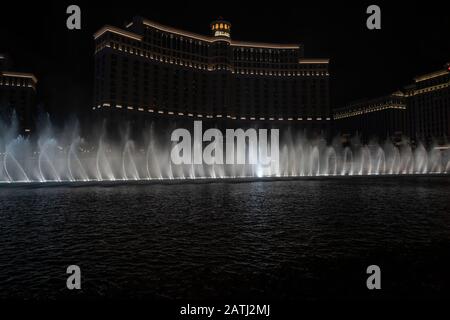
{"x": 54, "y": 155}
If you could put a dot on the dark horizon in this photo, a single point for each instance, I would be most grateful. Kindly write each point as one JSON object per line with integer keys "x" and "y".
{"x": 363, "y": 63}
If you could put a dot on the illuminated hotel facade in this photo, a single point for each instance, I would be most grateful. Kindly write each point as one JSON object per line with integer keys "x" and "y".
{"x": 17, "y": 93}
{"x": 420, "y": 111}
{"x": 150, "y": 70}
{"x": 378, "y": 117}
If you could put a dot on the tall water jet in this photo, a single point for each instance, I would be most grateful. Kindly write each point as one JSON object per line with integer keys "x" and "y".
{"x": 435, "y": 161}
{"x": 380, "y": 161}
{"x": 12, "y": 167}
{"x": 314, "y": 162}
{"x": 330, "y": 155}
{"x": 420, "y": 159}
{"x": 74, "y": 165}
{"x": 347, "y": 167}
{"x": 407, "y": 164}
{"x": 47, "y": 153}
{"x": 104, "y": 170}
{"x": 129, "y": 168}
{"x": 365, "y": 161}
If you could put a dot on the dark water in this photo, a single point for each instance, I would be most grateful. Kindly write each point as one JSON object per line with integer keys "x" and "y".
{"x": 260, "y": 240}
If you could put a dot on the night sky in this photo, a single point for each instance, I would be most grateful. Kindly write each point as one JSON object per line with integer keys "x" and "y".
{"x": 414, "y": 39}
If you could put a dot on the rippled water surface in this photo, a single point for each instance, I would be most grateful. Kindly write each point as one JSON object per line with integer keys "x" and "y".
{"x": 275, "y": 240}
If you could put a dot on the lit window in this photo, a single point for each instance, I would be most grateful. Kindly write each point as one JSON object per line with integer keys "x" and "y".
{"x": 221, "y": 26}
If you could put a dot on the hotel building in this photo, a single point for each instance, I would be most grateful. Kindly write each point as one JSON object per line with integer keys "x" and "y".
{"x": 151, "y": 70}
{"x": 420, "y": 111}
{"x": 380, "y": 117}
{"x": 18, "y": 93}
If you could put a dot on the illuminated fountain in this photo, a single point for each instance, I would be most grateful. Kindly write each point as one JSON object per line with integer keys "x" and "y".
{"x": 66, "y": 157}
